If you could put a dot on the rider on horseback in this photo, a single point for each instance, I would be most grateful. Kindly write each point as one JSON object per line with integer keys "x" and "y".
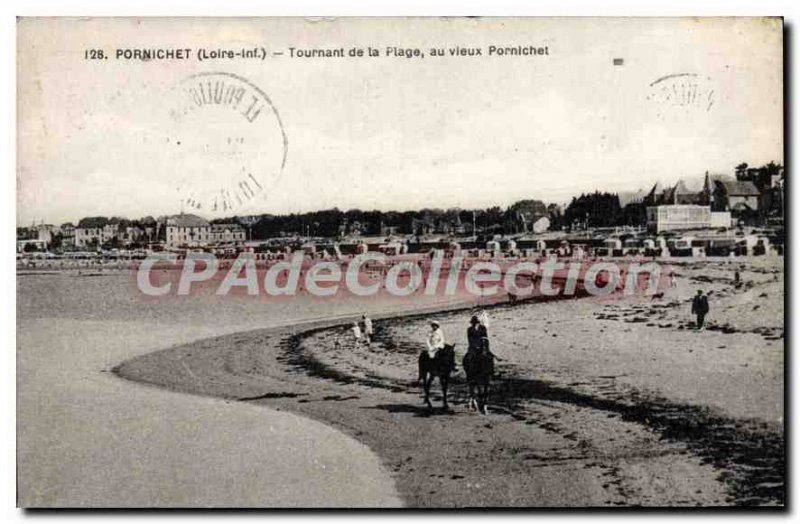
{"x": 477, "y": 336}
{"x": 478, "y": 364}
{"x": 438, "y": 361}
{"x": 435, "y": 339}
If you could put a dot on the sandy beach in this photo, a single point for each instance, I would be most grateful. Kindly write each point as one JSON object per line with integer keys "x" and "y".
{"x": 597, "y": 403}
{"x": 88, "y": 439}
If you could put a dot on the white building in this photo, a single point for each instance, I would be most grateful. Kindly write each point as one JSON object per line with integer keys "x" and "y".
{"x": 94, "y": 231}
{"x": 67, "y": 234}
{"x": 223, "y": 233}
{"x": 186, "y": 229}
{"x": 45, "y": 232}
{"x": 678, "y": 217}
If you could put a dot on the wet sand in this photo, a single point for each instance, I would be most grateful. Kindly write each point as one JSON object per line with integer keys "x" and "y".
{"x": 596, "y": 404}
{"x": 88, "y": 439}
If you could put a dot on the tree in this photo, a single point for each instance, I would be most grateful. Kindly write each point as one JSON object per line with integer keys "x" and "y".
{"x": 594, "y": 210}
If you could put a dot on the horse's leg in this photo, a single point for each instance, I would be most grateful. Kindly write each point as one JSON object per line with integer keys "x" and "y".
{"x": 473, "y": 404}
{"x": 426, "y": 386}
{"x": 484, "y": 398}
{"x": 443, "y": 380}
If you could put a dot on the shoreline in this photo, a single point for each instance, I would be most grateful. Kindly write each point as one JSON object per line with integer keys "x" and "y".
{"x": 295, "y": 368}
{"x": 97, "y": 441}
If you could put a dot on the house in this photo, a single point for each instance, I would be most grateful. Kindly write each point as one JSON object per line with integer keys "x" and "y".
{"x": 132, "y": 234}
{"x": 187, "y": 229}
{"x": 150, "y": 227}
{"x": 769, "y": 181}
{"x": 94, "y": 231}
{"x": 354, "y": 228}
{"x": 451, "y": 225}
{"x": 679, "y": 194}
{"x": 735, "y": 195}
{"x": 422, "y": 227}
{"x": 112, "y": 229}
{"x": 225, "y": 233}
{"x": 389, "y": 231}
{"x": 45, "y": 233}
{"x": 67, "y": 231}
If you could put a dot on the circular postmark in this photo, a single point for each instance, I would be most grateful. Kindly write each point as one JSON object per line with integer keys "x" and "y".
{"x": 683, "y": 91}
{"x": 227, "y": 142}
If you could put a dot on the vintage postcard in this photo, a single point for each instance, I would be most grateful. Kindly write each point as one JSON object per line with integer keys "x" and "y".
{"x": 400, "y": 262}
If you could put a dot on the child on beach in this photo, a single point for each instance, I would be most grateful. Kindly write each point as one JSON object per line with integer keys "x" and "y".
{"x": 356, "y": 333}
{"x": 367, "y": 328}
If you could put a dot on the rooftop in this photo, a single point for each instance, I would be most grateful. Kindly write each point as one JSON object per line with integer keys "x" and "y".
{"x": 186, "y": 220}
{"x": 739, "y": 187}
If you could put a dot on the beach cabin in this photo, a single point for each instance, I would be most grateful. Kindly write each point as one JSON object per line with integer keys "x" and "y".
{"x": 651, "y": 247}
{"x": 578, "y": 251}
{"x": 453, "y": 249}
{"x": 721, "y": 247}
{"x": 611, "y": 247}
{"x": 687, "y": 246}
{"x": 762, "y": 246}
{"x": 681, "y": 247}
{"x": 633, "y": 246}
{"x": 512, "y": 248}
{"x": 658, "y": 249}
{"x": 493, "y": 247}
{"x": 391, "y": 249}
{"x": 747, "y": 244}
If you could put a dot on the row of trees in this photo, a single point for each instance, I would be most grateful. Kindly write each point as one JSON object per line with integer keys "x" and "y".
{"x": 335, "y": 222}
{"x": 597, "y": 209}
{"x": 589, "y": 210}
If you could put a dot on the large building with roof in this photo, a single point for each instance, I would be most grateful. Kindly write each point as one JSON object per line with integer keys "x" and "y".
{"x": 94, "y": 231}
{"x": 186, "y": 229}
{"x": 728, "y": 194}
{"x": 226, "y": 233}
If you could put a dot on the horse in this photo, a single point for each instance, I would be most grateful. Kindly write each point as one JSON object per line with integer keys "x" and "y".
{"x": 442, "y": 365}
{"x": 479, "y": 368}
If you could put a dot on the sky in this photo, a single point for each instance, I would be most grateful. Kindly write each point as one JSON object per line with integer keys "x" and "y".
{"x": 100, "y": 137}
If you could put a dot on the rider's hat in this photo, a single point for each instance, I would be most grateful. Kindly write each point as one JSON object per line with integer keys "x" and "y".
{"x": 474, "y": 320}
{"x": 435, "y": 323}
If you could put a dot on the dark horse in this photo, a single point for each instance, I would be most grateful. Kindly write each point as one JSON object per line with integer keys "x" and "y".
{"x": 479, "y": 367}
{"x": 442, "y": 365}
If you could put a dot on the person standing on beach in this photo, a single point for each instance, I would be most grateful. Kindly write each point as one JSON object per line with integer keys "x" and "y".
{"x": 367, "y": 328}
{"x": 356, "y": 333}
{"x": 700, "y": 308}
